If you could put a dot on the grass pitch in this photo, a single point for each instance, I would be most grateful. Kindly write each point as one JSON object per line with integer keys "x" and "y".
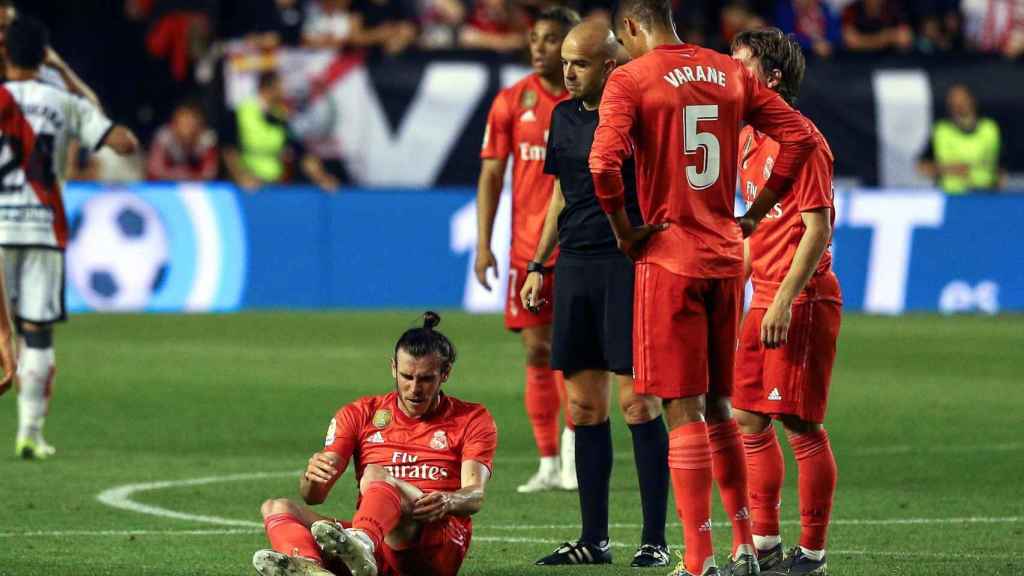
{"x": 925, "y": 421}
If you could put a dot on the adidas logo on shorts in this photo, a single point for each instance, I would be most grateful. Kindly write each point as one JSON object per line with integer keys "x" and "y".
{"x": 774, "y": 394}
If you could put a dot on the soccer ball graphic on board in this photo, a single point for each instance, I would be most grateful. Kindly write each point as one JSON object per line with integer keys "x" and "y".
{"x": 117, "y": 253}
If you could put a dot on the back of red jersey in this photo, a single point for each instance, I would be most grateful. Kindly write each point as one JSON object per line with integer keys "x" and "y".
{"x": 427, "y": 453}
{"x": 678, "y": 110}
{"x": 518, "y": 124}
{"x": 773, "y": 245}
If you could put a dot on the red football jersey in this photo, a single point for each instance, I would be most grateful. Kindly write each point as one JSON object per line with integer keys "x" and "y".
{"x": 678, "y": 109}
{"x": 518, "y": 124}
{"x": 774, "y": 243}
{"x": 427, "y": 453}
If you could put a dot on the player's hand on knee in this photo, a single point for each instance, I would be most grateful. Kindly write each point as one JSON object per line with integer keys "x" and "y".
{"x": 775, "y": 325}
{"x": 321, "y": 467}
{"x": 530, "y": 294}
{"x": 485, "y": 261}
{"x": 432, "y": 507}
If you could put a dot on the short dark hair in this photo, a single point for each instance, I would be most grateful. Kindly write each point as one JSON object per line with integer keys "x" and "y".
{"x": 425, "y": 340}
{"x": 776, "y": 51}
{"x": 268, "y": 78}
{"x": 647, "y": 13}
{"x": 562, "y": 15}
{"x": 26, "y": 40}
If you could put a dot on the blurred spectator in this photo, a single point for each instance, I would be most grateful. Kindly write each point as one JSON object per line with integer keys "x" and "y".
{"x": 439, "y": 22}
{"x": 876, "y": 26}
{"x": 994, "y": 26}
{"x": 938, "y": 25}
{"x": 498, "y": 25}
{"x": 266, "y": 24}
{"x": 180, "y": 33}
{"x": 183, "y": 149}
{"x": 328, "y": 24}
{"x": 287, "y": 22}
{"x": 812, "y": 22}
{"x": 384, "y": 24}
{"x": 737, "y": 16}
{"x": 964, "y": 152}
{"x": 259, "y": 148}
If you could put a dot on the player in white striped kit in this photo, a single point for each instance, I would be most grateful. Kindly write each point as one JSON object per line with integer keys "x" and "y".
{"x": 37, "y": 121}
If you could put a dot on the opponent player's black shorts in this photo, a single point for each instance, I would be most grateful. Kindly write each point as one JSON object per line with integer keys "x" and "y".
{"x": 593, "y": 325}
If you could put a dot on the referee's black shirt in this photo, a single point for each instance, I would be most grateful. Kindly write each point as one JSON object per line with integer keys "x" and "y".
{"x": 583, "y": 228}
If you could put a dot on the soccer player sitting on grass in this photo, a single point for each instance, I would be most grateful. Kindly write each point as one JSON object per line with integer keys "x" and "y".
{"x": 422, "y": 462}
{"x": 788, "y": 340}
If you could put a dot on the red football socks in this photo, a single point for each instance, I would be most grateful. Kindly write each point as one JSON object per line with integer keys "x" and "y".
{"x": 542, "y": 405}
{"x": 729, "y": 466}
{"x": 817, "y": 481}
{"x": 766, "y": 470}
{"x": 379, "y": 511}
{"x": 288, "y": 536}
{"x": 689, "y": 462}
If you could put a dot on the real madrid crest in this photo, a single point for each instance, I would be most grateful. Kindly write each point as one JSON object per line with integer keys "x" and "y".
{"x": 439, "y": 441}
{"x": 528, "y": 99}
{"x": 382, "y": 418}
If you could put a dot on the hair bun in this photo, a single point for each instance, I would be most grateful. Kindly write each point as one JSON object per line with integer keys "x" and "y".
{"x": 431, "y": 319}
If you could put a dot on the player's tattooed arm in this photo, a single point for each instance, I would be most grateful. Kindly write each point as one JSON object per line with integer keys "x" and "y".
{"x": 465, "y": 501}
{"x": 322, "y": 470}
{"x": 818, "y": 231}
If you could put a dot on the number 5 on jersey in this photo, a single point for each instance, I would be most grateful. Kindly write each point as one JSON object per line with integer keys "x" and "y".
{"x": 694, "y": 141}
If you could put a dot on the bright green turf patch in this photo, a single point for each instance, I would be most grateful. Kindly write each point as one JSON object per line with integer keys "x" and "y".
{"x": 925, "y": 421}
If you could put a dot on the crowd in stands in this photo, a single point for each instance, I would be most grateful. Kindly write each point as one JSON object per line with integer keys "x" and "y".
{"x": 185, "y": 39}
{"x": 824, "y": 27}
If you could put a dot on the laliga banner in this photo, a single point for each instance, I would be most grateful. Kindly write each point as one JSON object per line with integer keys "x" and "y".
{"x": 418, "y": 121}
{"x": 194, "y": 248}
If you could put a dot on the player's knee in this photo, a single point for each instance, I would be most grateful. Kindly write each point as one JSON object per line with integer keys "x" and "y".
{"x": 639, "y": 409}
{"x": 538, "y": 354}
{"x": 587, "y": 411}
{"x": 683, "y": 411}
{"x": 375, "y": 473}
{"x": 277, "y": 506}
{"x": 718, "y": 409}
{"x": 795, "y": 425}
{"x": 38, "y": 336}
{"x": 751, "y": 422}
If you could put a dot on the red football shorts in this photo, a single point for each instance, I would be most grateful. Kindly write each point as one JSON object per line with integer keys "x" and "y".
{"x": 517, "y": 317}
{"x": 684, "y": 333}
{"x": 795, "y": 378}
{"x": 439, "y": 552}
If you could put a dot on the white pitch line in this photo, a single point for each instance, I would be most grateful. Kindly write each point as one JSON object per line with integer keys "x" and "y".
{"x": 480, "y": 540}
{"x": 120, "y": 497}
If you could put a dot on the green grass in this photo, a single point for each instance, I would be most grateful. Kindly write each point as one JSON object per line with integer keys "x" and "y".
{"x": 925, "y": 420}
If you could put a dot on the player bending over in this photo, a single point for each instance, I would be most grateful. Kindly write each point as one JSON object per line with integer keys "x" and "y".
{"x": 594, "y": 314}
{"x": 788, "y": 339}
{"x": 677, "y": 109}
{"x": 518, "y": 125}
{"x": 38, "y": 121}
{"x": 422, "y": 462}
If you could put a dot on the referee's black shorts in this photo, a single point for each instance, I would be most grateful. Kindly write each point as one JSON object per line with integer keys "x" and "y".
{"x": 593, "y": 325}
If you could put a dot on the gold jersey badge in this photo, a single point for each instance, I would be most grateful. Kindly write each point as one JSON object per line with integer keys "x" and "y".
{"x": 382, "y": 418}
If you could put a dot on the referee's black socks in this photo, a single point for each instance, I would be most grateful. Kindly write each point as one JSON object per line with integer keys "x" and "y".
{"x": 594, "y": 473}
{"x": 650, "y": 450}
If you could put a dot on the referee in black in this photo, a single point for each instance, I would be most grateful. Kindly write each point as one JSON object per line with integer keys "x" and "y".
{"x": 593, "y": 323}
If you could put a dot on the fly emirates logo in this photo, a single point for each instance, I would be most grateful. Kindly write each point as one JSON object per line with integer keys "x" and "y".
{"x": 404, "y": 467}
{"x": 532, "y": 152}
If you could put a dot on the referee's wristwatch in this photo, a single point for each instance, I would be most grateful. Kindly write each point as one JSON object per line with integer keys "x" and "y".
{"x": 534, "y": 266}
